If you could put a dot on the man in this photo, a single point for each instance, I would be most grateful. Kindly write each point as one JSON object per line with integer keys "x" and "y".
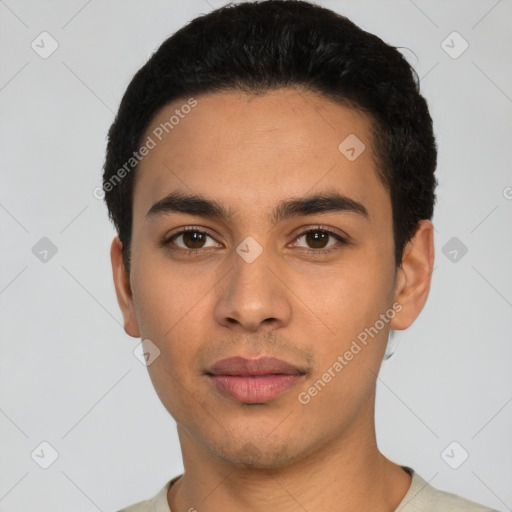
{"x": 271, "y": 177}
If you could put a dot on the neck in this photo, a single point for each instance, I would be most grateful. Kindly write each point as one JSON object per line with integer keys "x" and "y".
{"x": 344, "y": 475}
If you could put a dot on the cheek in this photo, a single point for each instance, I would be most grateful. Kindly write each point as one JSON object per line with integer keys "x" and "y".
{"x": 173, "y": 312}
{"x": 349, "y": 358}
{"x": 349, "y": 297}
{"x": 174, "y": 309}
{"x": 167, "y": 294}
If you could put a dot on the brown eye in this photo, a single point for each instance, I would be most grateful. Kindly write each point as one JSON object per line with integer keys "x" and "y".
{"x": 191, "y": 240}
{"x": 317, "y": 239}
{"x": 194, "y": 239}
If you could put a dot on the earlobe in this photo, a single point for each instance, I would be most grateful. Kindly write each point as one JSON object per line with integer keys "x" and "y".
{"x": 123, "y": 288}
{"x": 414, "y": 276}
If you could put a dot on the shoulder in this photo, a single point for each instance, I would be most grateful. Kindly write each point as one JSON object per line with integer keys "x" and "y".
{"x": 422, "y": 497}
{"x": 156, "y": 504}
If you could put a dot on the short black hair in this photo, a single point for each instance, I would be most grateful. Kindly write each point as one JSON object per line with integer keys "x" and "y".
{"x": 263, "y": 46}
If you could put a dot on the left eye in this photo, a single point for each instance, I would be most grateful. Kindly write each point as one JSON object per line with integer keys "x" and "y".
{"x": 318, "y": 239}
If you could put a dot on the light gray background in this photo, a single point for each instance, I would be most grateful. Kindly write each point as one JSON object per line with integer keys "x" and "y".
{"x": 68, "y": 375}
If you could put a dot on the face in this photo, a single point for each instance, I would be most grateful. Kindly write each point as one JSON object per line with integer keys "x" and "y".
{"x": 289, "y": 255}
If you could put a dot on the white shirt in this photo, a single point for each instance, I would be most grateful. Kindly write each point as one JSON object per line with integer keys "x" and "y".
{"x": 421, "y": 497}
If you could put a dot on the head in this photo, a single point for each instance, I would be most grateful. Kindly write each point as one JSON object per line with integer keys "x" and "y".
{"x": 251, "y": 126}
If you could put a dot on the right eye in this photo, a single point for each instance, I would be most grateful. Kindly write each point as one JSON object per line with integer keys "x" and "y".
{"x": 190, "y": 240}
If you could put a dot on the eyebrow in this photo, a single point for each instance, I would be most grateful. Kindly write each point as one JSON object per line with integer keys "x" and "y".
{"x": 193, "y": 204}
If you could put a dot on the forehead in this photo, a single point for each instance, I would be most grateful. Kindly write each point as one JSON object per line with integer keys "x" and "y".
{"x": 252, "y": 150}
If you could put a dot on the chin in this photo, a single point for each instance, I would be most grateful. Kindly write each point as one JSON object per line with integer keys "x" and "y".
{"x": 258, "y": 453}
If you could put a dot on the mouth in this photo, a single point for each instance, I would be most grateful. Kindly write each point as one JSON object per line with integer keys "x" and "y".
{"x": 253, "y": 381}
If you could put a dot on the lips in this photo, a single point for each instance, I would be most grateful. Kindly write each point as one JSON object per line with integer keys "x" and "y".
{"x": 253, "y": 380}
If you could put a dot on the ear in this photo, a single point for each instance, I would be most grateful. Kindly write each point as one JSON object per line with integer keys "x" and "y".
{"x": 123, "y": 289}
{"x": 414, "y": 276}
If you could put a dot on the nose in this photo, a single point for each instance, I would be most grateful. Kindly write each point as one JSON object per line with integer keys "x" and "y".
{"x": 253, "y": 296}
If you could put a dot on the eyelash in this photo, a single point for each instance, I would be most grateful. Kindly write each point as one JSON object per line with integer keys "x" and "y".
{"x": 313, "y": 252}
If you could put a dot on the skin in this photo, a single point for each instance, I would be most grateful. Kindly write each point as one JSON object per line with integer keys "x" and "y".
{"x": 249, "y": 153}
